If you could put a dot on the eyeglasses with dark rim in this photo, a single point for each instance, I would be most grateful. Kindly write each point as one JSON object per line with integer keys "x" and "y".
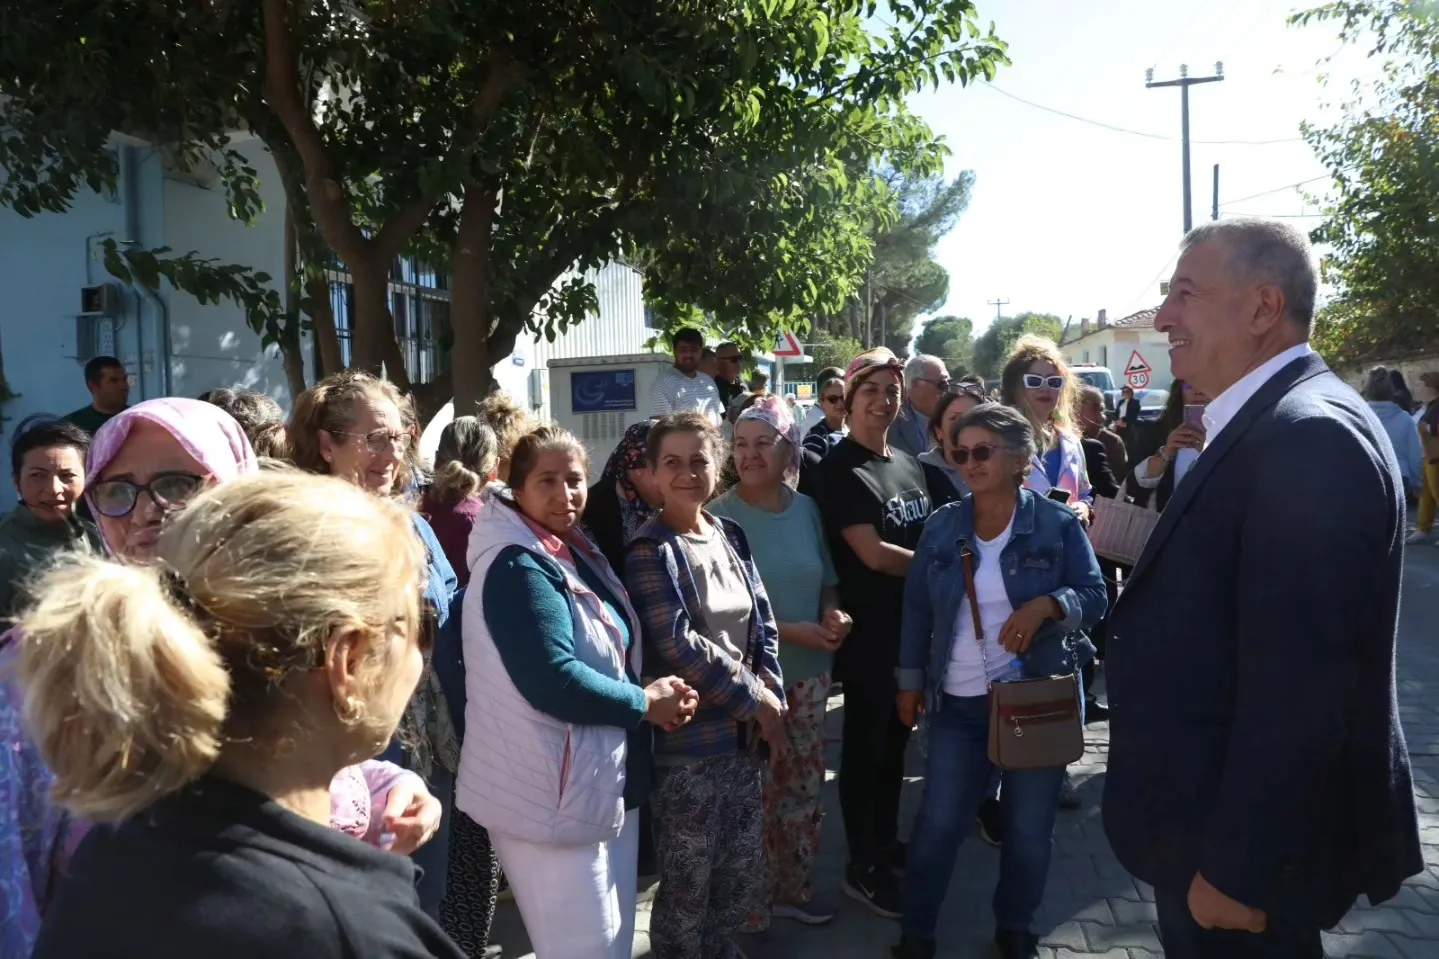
{"x": 169, "y": 491}
{"x": 941, "y": 384}
{"x": 968, "y": 389}
{"x": 377, "y": 441}
{"x": 980, "y": 452}
{"x": 833, "y": 398}
{"x": 1033, "y": 381}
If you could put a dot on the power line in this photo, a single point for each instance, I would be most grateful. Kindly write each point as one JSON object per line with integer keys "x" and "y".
{"x": 1278, "y": 189}
{"x": 1137, "y": 133}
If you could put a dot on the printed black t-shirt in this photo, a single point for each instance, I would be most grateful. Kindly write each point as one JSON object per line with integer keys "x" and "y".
{"x": 861, "y": 487}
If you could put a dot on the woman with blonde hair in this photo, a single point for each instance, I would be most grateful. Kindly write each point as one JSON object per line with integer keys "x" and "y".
{"x": 144, "y": 465}
{"x": 1036, "y": 381}
{"x": 510, "y": 422}
{"x": 358, "y": 428}
{"x": 203, "y": 703}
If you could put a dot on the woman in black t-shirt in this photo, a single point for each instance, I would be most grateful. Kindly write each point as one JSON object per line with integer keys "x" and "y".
{"x": 874, "y": 502}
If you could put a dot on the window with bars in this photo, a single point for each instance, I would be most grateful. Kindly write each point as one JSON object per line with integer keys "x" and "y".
{"x": 419, "y": 308}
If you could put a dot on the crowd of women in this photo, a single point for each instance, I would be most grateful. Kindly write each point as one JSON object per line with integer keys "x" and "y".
{"x": 266, "y": 675}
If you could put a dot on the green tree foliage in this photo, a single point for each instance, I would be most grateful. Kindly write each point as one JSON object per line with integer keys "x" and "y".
{"x": 951, "y": 338}
{"x": 728, "y": 142}
{"x": 994, "y": 345}
{"x": 1382, "y": 224}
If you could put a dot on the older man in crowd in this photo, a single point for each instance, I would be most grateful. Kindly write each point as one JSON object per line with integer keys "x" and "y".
{"x": 1258, "y": 776}
{"x": 925, "y": 380}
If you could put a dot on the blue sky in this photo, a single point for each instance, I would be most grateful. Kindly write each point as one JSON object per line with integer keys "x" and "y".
{"x": 1068, "y": 217}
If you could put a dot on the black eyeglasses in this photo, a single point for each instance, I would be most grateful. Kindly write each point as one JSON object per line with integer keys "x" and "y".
{"x": 967, "y": 389}
{"x": 429, "y": 626}
{"x": 980, "y": 453}
{"x": 377, "y": 441}
{"x": 1033, "y": 381}
{"x": 940, "y": 384}
{"x": 833, "y": 398}
{"x": 169, "y": 491}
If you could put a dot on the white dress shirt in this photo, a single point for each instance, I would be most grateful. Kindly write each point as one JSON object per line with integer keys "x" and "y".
{"x": 1223, "y": 407}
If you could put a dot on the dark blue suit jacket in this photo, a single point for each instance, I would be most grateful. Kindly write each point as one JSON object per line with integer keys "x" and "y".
{"x": 1255, "y": 736}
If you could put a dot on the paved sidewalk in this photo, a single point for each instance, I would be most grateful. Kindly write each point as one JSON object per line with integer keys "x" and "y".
{"x": 1092, "y": 908}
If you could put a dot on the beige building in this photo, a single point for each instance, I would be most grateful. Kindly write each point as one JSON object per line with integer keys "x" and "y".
{"x": 1130, "y": 347}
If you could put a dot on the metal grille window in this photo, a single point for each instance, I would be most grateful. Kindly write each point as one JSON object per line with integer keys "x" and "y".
{"x": 419, "y": 308}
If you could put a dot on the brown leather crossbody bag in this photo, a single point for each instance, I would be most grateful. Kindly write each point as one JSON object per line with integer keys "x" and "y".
{"x": 1033, "y": 723}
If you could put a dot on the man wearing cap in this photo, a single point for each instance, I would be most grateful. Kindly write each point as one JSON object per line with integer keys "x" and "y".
{"x": 874, "y": 502}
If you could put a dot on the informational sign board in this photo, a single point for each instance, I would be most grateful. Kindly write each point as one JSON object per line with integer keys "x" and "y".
{"x": 602, "y": 391}
{"x": 1136, "y": 371}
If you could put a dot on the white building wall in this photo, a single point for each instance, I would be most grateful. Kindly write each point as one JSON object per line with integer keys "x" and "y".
{"x": 211, "y": 345}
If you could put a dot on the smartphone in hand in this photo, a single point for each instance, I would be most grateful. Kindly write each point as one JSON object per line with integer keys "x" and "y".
{"x": 1194, "y": 415}
{"x": 1058, "y": 495}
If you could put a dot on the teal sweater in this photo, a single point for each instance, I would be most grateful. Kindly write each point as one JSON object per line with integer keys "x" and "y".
{"x": 528, "y": 612}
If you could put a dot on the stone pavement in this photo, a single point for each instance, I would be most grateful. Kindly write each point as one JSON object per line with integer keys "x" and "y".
{"x": 1092, "y": 908}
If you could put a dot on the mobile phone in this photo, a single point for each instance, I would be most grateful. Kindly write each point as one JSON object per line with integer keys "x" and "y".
{"x": 1194, "y": 415}
{"x": 1058, "y": 495}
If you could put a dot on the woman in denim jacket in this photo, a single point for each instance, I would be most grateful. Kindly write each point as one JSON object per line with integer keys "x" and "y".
{"x": 1038, "y": 586}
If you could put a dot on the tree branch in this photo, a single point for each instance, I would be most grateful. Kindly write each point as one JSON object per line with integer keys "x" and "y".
{"x": 282, "y": 92}
{"x": 398, "y": 229}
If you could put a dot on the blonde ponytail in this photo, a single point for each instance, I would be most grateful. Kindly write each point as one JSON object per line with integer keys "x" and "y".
{"x": 124, "y": 694}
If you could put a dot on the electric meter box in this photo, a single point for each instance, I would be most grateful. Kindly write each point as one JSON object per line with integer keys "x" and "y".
{"x": 598, "y": 398}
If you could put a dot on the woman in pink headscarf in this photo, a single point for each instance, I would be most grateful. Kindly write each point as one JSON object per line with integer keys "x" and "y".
{"x": 786, "y": 537}
{"x": 144, "y": 464}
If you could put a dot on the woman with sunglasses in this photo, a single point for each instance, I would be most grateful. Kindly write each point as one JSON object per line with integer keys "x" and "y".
{"x": 146, "y": 463}
{"x": 1037, "y": 586}
{"x": 1037, "y": 382}
{"x": 357, "y": 427}
{"x": 943, "y": 479}
{"x": 553, "y": 652}
{"x": 203, "y": 702}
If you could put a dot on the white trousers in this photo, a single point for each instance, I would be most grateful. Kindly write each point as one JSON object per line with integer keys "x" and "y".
{"x": 578, "y": 902}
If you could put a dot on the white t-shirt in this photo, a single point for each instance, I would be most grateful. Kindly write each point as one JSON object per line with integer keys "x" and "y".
{"x": 966, "y": 675}
{"x": 674, "y": 392}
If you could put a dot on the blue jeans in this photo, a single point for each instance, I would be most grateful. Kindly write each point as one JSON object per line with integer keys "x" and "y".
{"x": 956, "y": 774}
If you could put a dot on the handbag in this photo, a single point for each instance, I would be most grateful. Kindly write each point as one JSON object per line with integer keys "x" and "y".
{"x": 1033, "y": 723}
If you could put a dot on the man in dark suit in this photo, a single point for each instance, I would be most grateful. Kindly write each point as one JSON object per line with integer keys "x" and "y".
{"x": 1258, "y": 776}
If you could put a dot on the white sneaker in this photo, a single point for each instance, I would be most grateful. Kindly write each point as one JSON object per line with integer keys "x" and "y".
{"x": 1417, "y": 538}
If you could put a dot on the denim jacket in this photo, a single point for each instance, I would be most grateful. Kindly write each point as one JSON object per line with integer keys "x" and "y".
{"x": 1048, "y": 554}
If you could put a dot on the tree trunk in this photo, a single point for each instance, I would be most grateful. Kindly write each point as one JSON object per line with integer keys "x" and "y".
{"x": 322, "y": 317}
{"x": 470, "y": 319}
{"x": 371, "y": 326}
{"x": 290, "y": 352}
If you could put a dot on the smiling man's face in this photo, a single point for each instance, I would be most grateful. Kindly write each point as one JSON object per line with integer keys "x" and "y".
{"x": 1210, "y": 318}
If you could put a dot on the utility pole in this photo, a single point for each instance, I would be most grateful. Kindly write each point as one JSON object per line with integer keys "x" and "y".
{"x": 1215, "y": 215}
{"x": 998, "y": 305}
{"x": 1184, "y": 82}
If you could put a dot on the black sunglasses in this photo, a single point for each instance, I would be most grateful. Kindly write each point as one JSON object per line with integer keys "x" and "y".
{"x": 981, "y": 453}
{"x": 169, "y": 491}
{"x": 429, "y": 626}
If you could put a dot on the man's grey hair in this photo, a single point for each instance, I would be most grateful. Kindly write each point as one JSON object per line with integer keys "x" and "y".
{"x": 918, "y": 366}
{"x": 1378, "y": 386}
{"x": 1091, "y": 394}
{"x": 1273, "y": 252}
{"x": 1011, "y": 427}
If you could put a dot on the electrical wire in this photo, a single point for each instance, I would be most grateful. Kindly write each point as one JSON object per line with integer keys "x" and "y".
{"x": 1137, "y": 133}
{"x": 1278, "y": 189}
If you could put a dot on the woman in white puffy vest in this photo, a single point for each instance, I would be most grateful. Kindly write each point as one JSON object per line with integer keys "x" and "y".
{"x": 556, "y": 756}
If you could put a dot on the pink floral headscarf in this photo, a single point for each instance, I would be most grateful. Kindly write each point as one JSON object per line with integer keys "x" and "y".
{"x": 206, "y": 432}
{"x": 772, "y": 411}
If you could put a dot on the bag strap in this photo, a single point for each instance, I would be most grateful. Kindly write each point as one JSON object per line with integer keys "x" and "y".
{"x": 968, "y": 559}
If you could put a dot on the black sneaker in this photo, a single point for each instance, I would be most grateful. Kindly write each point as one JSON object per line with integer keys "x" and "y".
{"x": 912, "y": 947}
{"x": 1095, "y": 712}
{"x": 991, "y": 825}
{"x": 896, "y": 853}
{"x": 875, "y": 888}
{"x": 1015, "y": 944}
